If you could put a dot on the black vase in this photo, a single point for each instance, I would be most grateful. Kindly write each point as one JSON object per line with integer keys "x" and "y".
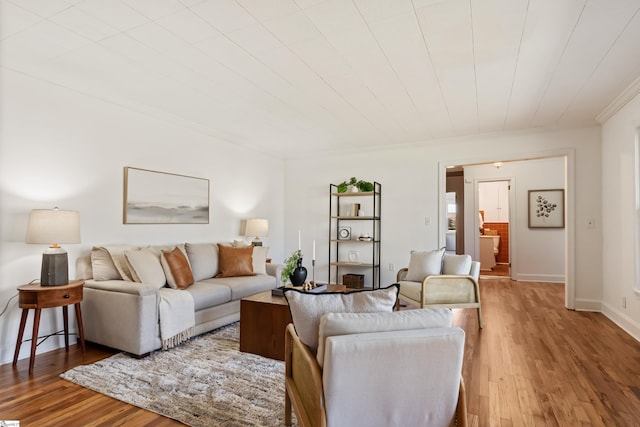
{"x": 299, "y": 274}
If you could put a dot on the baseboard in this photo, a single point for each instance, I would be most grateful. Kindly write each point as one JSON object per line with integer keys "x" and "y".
{"x": 588, "y": 305}
{"x": 551, "y": 278}
{"x": 622, "y": 320}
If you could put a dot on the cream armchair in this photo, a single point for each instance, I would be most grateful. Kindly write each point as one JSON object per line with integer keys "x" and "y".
{"x": 436, "y": 279}
{"x": 378, "y": 369}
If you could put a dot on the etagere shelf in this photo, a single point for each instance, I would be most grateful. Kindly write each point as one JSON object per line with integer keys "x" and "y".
{"x": 354, "y": 234}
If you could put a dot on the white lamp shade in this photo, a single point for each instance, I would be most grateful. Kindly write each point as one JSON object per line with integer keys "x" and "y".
{"x": 53, "y": 226}
{"x": 257, "y": 227}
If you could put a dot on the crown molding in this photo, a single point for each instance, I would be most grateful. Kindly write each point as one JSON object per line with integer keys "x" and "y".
{"x": 620, "y": 101}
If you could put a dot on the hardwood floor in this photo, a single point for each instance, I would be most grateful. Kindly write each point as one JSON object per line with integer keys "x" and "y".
{"x": 534, "y": 364}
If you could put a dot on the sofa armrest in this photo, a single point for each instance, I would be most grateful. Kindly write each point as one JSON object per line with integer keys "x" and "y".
{"x": 133, "y": 288}
{"x": 303, "y": 383}
{"x": 275, "y": 270}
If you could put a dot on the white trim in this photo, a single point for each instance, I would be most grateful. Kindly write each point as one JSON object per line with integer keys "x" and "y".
{"x": 622, "y": 320}
{"x": 549, "y": 278}
{"x": 620, "y": 101}
{"x": 636, "y": 147}
{"x": 588, "y": 305}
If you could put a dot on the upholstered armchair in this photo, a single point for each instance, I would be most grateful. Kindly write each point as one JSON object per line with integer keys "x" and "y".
{"x": 437, "y": 279}
{"x": 386, "y": 369}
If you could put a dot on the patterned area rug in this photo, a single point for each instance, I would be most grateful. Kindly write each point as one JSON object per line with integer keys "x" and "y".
{"x": 204, "y": 382}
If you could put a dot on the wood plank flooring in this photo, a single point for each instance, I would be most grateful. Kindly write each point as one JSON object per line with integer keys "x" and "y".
{"x": 534, "y": 364}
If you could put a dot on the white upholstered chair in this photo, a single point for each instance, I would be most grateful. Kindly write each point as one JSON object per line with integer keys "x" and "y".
{"x": 388, "y": 369}
{"x": 437, "y": 279}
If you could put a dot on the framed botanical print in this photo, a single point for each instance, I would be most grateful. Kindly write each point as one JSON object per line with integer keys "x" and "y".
{"x": 546, "y": 208}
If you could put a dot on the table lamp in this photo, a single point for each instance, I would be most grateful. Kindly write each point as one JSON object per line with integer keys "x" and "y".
{"x": 52, "y": 227}
{"x": 257, "y": 227}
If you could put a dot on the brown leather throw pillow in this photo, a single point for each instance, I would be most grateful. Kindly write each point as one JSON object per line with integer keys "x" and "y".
{"x": 235, "y": 261}
{"x": 179, "y": 266}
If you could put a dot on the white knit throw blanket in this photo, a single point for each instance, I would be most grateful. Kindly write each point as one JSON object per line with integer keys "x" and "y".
{"x": 177, "y": 317}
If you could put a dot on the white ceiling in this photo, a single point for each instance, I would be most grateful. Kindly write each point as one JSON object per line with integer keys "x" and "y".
{"x": 300, "y": 76}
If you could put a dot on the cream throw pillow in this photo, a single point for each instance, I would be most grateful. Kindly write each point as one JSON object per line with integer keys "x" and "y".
{"x": 423, "y": 264}
{"x": 102, "y": 266}
{"x": 456, "y": 264}
{"x": 203, "y": 258}
{"x": 145, "y": 264}
{"x": 307, "y": 308}
{"x": 260, "y": 259}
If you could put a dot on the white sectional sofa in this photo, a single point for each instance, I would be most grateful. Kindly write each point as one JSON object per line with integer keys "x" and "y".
{"x": 129, "y": 289}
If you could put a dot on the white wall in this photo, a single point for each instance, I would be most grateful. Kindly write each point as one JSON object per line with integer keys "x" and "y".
{"x": 61, "y": 148}
{"x": 537, "y": 254}
{"x": 410, "y": 179}
{"x": 619, "y": 213}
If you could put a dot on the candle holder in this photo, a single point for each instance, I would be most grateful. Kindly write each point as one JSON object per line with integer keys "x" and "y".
{"x": 313, "y": 270}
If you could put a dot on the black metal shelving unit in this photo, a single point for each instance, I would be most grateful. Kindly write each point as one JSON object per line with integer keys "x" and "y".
{"x": 342, "y": 215}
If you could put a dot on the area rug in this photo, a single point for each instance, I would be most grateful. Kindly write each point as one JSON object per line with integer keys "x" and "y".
{"x": 204, "y": 382}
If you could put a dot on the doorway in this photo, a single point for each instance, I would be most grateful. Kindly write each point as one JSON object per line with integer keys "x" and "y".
{"x": 494, "y": 209}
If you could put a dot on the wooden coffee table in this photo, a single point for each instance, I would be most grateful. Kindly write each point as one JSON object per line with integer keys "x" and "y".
{"x": 263, "y": 320}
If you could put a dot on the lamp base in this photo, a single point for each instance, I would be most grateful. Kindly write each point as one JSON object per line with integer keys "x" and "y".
{"x": 55, "y": 267}
{"x": 256, "y": 242}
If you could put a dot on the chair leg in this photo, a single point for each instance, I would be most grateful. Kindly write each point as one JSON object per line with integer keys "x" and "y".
{"x": 480, "y": 317}
{"x": 287, "y": 409}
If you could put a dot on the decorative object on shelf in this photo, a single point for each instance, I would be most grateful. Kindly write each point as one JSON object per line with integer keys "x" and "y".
{"x": 546, "y": 208}
{"x": 293, "y": 269}
{"x": 344, "y": 233}
{"x": 355, "y": 184}
{"x": 51, "y": 227}
{"x": 364, "y": 237}
{"x": 257, "y": 228}
{"x": 152, "y": 197}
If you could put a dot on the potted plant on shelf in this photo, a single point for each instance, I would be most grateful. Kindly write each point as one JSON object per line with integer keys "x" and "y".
{"x": 355, "y": 184}
{"x": 293, "y": 270}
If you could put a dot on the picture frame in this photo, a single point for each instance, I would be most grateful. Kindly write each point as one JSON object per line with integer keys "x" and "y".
{"x": 154, "y": 197}
{"x": 546, "y": 208}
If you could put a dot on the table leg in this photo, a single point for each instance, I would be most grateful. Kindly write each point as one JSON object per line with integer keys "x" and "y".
{"x": 65, "y": 320}
{"x": 34, "y": 339}
{"x": 23, "y": 321}
{"x": 80, "y": 327}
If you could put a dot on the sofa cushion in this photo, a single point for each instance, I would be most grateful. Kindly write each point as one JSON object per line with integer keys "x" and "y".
{"x": 145, "y": 265}
{"x": 411, "y": 290}
{"x": 235, "y": 261}
{"x": 334, "y": 324}
{"x": 456, "y": 264}
{"x": 260, "y": 259}
{"x": 176, "y": 268}
{"x": 102, "y": 266}
{"x": 207, "y": 295}
{"x": 423, "y": 264}
{"x": 307, "y": 308}
{"x": 244, "y": 286}
{"x": 203, "y": 258}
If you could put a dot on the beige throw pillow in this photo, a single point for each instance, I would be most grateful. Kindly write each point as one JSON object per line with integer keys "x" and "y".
{"x": 260, "y": 259}
{"x": 145, "y": 264}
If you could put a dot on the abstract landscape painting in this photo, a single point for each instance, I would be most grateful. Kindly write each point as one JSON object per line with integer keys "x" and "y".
{"x": 152, "y": 197}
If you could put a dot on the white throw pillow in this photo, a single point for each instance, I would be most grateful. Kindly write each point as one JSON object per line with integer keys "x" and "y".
{"x": 423, "y": 264}
{"x": 203, "y": 258}
{"x": 145, "y": 263}
{"x": 307, "y": 308}
{"x": 456, "y": 264}
{"x": 260, "y": 259}
{"x": 334, "y": 324}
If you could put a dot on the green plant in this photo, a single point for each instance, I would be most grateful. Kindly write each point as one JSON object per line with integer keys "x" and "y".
{"x": 290, "y": 264}
{"x": 362, "y": 185}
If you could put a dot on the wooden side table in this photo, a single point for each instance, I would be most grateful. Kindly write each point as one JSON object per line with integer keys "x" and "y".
{"x": 39, "y": 297}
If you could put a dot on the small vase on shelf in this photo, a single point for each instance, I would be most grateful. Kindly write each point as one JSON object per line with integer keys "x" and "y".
{"x": 299, "y": 275}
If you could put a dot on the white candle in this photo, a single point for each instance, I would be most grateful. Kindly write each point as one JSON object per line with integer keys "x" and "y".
{"x": 299, "y": 241}
{"x": 314, "y": 251}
